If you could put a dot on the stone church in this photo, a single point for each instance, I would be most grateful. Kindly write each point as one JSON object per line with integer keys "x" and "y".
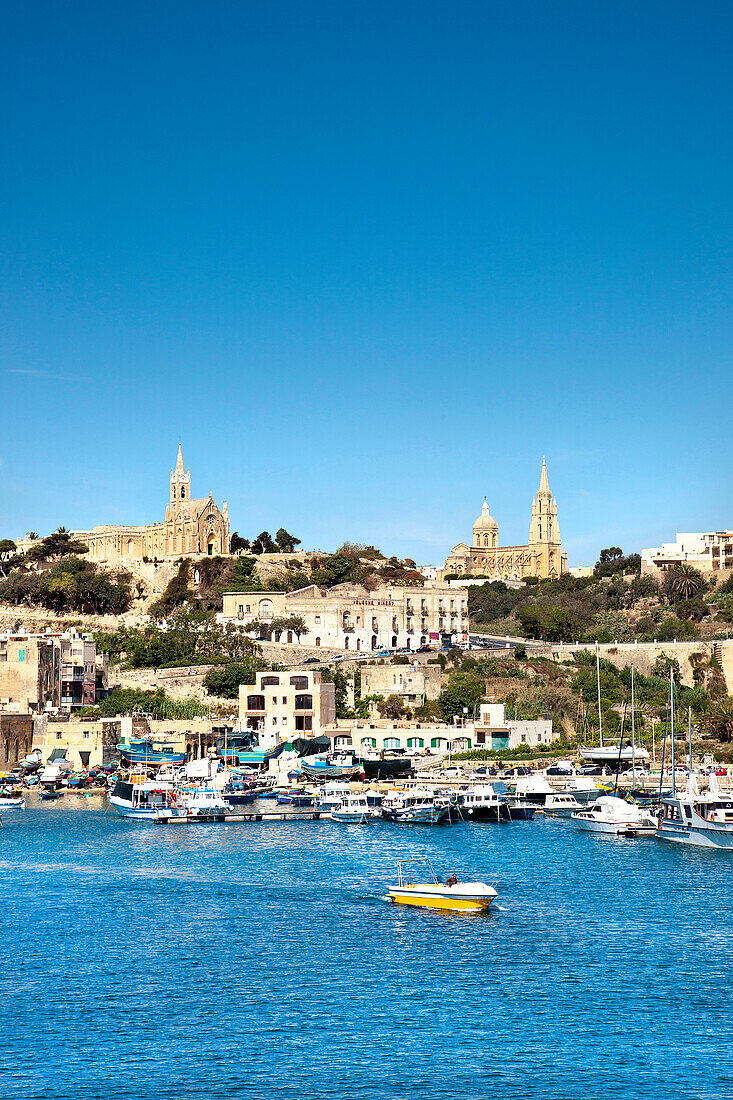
{"x": 542, "y": 556}
{"x": 191, "y": 527}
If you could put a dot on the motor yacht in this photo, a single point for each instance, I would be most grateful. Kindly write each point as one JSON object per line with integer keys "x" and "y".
{"x": 418, "y": 884}
{"x": 204, "y": 803}
{"x": 538, "y": 792}
{"x": 352, "y": 810}
{"x": 332, "y": 795}
{"x": 609, "y": 814}
{"x": 415, "y": 806}
{"x": 704, "y": 820}
{"x": 583, "y": 788}
{"x": 482, "y": 803}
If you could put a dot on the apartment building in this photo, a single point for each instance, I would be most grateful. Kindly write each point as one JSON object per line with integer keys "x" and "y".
{"x": 284, "y": 705}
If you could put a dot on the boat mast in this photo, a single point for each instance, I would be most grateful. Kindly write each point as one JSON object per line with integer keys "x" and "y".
{"x": 671, "y": 726}
{"x": 633, "y": 732}
{"x": 689, "y": 735}
{"x": 598, "y": 681}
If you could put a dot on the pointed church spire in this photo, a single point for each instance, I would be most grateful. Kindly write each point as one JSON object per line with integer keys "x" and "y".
{"x": 179, "y": 461}
{"x": 485, "y": 507}
{"x": 544, "y": 484}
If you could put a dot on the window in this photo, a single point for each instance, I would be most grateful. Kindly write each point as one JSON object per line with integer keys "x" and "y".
{"x": 346, "y": 643}
{"x": 274, "y": 721}
{"x": 304, "y": 702}
{"x": 439, "y": 743}
{"x": 299, "y": 682}
{"x": 86, "y": 735}
{"x": 248, "y": 608}
{"x": 255, "y": 702}
{"x": 58, "y": 738}
{"x": 274, "y": 700}
{"x": 21, "y": 655}
{"x": 318, "y": 619}
{"x": 303, "y": 722}
{"x": 391, "y": 742}
{"x": 285, "y": 721}
{"x": 369, "y": 742}
{"x": 318, "y": 642}
{"x": 285, "y": 700}
{"x": 240, "y": 609}
{"x": 415, "y": 742}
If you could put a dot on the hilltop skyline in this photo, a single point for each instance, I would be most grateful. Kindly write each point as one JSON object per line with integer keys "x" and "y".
{"x": 369, "y": 264}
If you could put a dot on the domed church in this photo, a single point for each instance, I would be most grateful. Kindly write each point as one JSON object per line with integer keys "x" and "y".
{"x": 542, "y": 556}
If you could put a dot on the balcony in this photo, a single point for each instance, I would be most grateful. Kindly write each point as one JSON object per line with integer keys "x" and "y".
{"x": 348, "y": 629}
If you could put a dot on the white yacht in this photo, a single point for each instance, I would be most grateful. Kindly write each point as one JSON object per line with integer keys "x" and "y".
{"x": 332, "y": 796}
{"x": 538, "y": 792}
{"x": 196, "y": 802}
{"x": 613, "y": 754}
{"x": 354, "y": 809}
{"x": 583, "y": 788}
{"x": 142, "y": 800}
{"x": 482, "y": 803}
{"x": 609, "y": 814}
{"x": 416, "y": 806}
{"x": 704, "y": 820}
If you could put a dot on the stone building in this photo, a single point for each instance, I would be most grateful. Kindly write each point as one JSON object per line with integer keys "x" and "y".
{"x": 351, "y": 617}
{"x": 191, "y": 526}
{"x": 414, "y": 684}
{"x": 283, "y": 705}
{"x": 710, "y": 552}
{"x": 16, "y": 736}
{"x": 41, "y": 671}
{"x": 543, "y": 555}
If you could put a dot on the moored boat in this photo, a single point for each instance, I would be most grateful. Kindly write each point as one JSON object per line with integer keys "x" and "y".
{"x": 353, "y": 809}
{"x": 703, "y": 820}
{"x": 148, "y": 750}
{"x": 13, "y": 799}
{"x": 415, "y": 807}
{"x": 140, "y": 801}
{"x": 431, "y": 893}
{"x": 609, "y": 814}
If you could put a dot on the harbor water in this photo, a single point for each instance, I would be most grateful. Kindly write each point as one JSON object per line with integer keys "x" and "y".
{"x": 261, "y": 960}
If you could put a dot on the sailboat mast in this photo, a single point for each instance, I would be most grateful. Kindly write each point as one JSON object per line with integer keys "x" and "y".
{"x": 689, "y": 735}
{"x": 633, "y": 731}
{"x": 598, "y": 681}
{"x": 671, "y": 726}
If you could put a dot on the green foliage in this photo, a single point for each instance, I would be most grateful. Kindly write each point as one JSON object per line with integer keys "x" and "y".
{"x": 694, "y": 609}
{"x": 175, "y": 593}
{"x": 244, "y": 575}
{"x": 550, "y": 622}
{"x": 642, "y": 587}
{"x": 520, "y": 652}
{"x": 672, "y": 628}
{"x": 59, "y": 544}
{"x": 286, "y": 543}
{"x": 429, "y": 711}
{"x": 7, "y": 546}
{"x": 70, "y": 585}
{"x": 610, "y": 626}
{"x": 717, "y": 719}
{"x": 155, "y": 703}
{"x": 612, "y": 561}
{"x": 236, "y": 542}
{"x": 683, "y": 582}
{"x": 224, "y": 680}
{"x": 192, "y": 637}
{"x": 263, "y": 544}
{"x": 662, "y": 666}
{"x": 462, "y": 690}
{"x": 393, "y": 707}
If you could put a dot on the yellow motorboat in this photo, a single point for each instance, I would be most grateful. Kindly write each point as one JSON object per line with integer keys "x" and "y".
{"x": 453, "y": 894}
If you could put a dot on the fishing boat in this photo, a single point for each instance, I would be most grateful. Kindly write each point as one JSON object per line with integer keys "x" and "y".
{"x": 299, "y": 797}
{"x": 415, "y": 807}
{"x": 482, "y": 803}
{"x": 418, "y": 884}
{"x": 56, "y": 770}
{"x": 141, "y": 800}
{"x": 609, "y": 814}
{"x": 352, "y": 810}
{"x": 32, "y": 761}
{"x": 703, "y": 820}
{"x": 379, "y": 766}
{"x": 332, "y": 796}
{"x": 146, "y": 750}
{"x": 332, "y": 765}
{"x": 193, "y": 802}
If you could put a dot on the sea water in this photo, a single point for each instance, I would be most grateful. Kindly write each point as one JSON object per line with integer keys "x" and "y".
{"x": 262, "y": 961}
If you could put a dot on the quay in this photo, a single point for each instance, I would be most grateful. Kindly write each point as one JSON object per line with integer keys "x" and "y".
{"x": 203, "y": 819}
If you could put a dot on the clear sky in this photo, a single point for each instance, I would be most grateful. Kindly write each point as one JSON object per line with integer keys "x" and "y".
{"x": 368, "y": 261}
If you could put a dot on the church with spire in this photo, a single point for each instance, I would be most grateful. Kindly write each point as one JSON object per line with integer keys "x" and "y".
{"x": 542, "y": 556}
{"x": 192, "y": 526}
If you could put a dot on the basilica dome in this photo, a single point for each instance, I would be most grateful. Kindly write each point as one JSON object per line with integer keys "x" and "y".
{"x": 485, "y": 522}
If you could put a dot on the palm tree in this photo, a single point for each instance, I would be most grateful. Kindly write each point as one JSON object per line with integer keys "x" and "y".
{"x": 684, "y": 582}
{"x": 718, "y": 719}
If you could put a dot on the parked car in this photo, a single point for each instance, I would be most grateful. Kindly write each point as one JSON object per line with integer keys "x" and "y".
{"x": 452, "y": 773}
{"x": 312, "y": 661}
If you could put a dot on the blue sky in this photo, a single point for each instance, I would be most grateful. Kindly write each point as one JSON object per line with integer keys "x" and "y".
{"x": 368, "y": 262}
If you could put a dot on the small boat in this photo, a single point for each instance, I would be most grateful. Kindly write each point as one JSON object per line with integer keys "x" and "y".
{"x": 614, "y": 754}
{"x": 431, "y": 893}
{"x": 378, "y": 767}
{"x": 334, "y": 765}
{"x": 536, "y": 790}
{"x": 146, "y": 750}
{"x": 482, "y": 803}
{"x": 200, "y": 803}
{"x": 703, "y": 820}
{"x": 142, "y": 800}
{"x": 298, "y": 797}
{"x": 415, "y": 807}
{"x": 352, "y": 810}
{"x": 609, "y": 814}
{"x": 12, "y": 800}
{"x": 332, "y": 796}
{"x": 48, "y": 794}
{"x": 32, "y": 761}
{"x": 583, "y": 788}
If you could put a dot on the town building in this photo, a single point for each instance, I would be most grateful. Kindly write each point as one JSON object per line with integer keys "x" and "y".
{"x": 16, "y": 738}
{"x": 542, "y": 557}
{"x": 414, "y": 684}
{"x": 351, "y": 617}
{"x": 489, "y": 730}
{"x": 284, "y": 705}
{"x": 710, "y": 552}
{"x": 51, "y": 670}
{"x": 192, "y": 526}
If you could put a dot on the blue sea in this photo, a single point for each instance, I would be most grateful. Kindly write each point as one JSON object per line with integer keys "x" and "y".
{"x": 145, "y": 962}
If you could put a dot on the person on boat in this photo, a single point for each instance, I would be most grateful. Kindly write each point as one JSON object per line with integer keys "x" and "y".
{"x": 452, "y": 880}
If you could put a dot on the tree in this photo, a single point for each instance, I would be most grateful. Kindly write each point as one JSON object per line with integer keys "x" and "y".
{"x": 663, "y": 664}
{"x": 610, "y": 555}
{"x": 717, "y": 719}
{"x": 224, "y": 680}
{"x": 429, "y": 711}
{"x": 462, "y": 690}
{"x": 236, "y": 542}
{"x": 263, "y": 544}
{"x": 612, "y": 560}
{"x": 393, "y": 707}
{"x": 341, "y": 681}
{"x": 684, "y": 582}
{"x": 7, "y": 546}
{"x": 286, "y": 543}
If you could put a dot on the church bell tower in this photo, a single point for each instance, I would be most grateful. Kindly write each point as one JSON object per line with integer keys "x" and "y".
{"x": 180, "y": 487}
{"x": 544, "y": 531}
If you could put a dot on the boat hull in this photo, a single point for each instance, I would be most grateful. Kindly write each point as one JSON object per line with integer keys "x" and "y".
{"x": 396, "y": 768}
{"x": 707, "y": 837}
{"x": 350, "y": 818}
{"x": 419, "y": 816}
{"x": 615, "y": 828}
{"x": 427, "y": 898}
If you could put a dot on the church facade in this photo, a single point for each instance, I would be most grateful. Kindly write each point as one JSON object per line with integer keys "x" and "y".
{"x": 191, "y": 527}
{"x": 542, "y": 557}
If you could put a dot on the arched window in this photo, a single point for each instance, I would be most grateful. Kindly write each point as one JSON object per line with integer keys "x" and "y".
{"x": 540, "y": 530}
{"x": 439, "y": 743}
{"x": 265, "y": 610}
{"x": 255, "y": 702}
{"x": 415, "y": 743}
{"x": 270, "y": 681}
{"x": 304, "y": 702}
{"x": 369, "y": 742}
{"x": 183, "y": 492}
{"x": 318, "y": 642}
{"x": 346, "y": 643}
{"x": 299, "y": 682}
{"x": 391, "y": 742}
{"x": 358, "y": 644}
